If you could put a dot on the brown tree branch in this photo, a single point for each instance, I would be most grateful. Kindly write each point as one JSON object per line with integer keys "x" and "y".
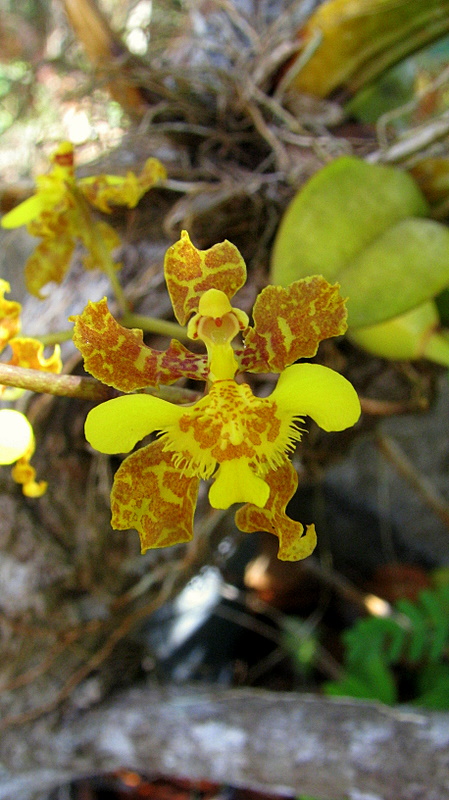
{"x": 333, "y": 749}
{"x": 62, "y": 385}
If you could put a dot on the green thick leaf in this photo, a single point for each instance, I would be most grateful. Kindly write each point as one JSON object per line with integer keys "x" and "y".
{"x": 362, "y": 225}
{"x": 403, "y": 268}
{"x": 341, "y": 209}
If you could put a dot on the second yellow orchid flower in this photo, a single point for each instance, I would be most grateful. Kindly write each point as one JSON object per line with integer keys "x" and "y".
{"x": 59, "y": 214}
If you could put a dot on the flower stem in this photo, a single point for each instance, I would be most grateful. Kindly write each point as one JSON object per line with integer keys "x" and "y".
{"x": 154, "y": 325}
{"x": 98, "y": 248}
{"x": 61, "y": 385}
{"x": 54, "y": 338}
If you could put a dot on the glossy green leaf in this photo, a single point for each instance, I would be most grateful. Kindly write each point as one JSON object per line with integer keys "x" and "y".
{"x": 340, "y": 210}
{"x": 405, "y": 266}
{"x": 363, "y": 225}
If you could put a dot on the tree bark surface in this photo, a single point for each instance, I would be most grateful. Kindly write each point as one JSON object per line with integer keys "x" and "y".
{"x": 286, "y": 743}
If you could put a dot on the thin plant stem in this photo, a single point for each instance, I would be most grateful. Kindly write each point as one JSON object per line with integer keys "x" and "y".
{"x": 98, "y": 248}
{"x": 154, "y": 325}
{"x": 148, "y": 324}
{"x": 48, "y": 339}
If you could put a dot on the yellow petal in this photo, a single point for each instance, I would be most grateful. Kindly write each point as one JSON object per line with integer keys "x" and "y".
{"x": 24, "y": 474}
{"x": 9, "y": 315}
{"x": 31, "y": 208}
{"x": 236, "y": 482}
{"x": 295, "y": 543}
{"x": 95, "y": 238}
{"x": 154, "y": 497}
{"x": 104, "y": 191}
{"x": 49, "y": 262}
{"x": 29, "y": 353}
{"x": 117, "y": 425}
{"x": 319, "y": 392}
{"x": 16, "y": 436}
{"x": 118, "y": 356}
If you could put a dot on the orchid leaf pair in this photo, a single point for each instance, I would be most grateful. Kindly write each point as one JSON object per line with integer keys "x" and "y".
{"x": 16, "y": 434}
{"x": 239, "y": 441}
{"x": 59, "y": 213}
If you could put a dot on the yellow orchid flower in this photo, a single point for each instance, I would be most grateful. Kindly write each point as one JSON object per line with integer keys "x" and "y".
{"x": 59, "y": 214}
{"x": 17, "y": 442}
{"x": 240, "y": 441}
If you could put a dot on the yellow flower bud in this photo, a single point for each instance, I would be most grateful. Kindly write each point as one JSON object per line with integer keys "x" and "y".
{"x": 16, "y": 436}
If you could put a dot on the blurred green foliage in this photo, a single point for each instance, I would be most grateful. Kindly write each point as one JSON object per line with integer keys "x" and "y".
{"x": 405, "y": 654}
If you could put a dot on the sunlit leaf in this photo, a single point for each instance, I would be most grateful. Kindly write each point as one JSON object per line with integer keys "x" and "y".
{"x": 353, "y": 41}
{"x": 361, "y": 224}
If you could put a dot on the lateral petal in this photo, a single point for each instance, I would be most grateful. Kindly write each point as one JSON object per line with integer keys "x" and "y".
{"x": 118, "y": 356}
{"x": 117, "y": 425}
{"x": 24, "y": 212}
{"x": 294, "y": 543}
{"x": 290, "y": 323}
{"x": 154, "y": 497}
{"x": 49, "y": 262}
{"x": 318, "y": 392}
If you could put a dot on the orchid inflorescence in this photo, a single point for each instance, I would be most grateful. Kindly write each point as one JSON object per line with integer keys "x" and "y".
{"x": 239, "y": 441}
{"x": 60, "y": 214}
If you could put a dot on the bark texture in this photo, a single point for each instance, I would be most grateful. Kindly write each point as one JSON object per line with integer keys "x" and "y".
{"x": 288, "y": 743}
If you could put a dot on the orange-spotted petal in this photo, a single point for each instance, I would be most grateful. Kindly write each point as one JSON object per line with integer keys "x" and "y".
{"x": 104, "y": 191}
{"x": 290, "y": 323}
{"x": 118, "y": 357}
{"x": 49, "y": 262}
{"x": 29, "y": 353}
{"x": 9, "y": 315}
{"x": 190, "y": 272}
{"x": 295, "y": 543}
{"x": 117, "y": 425}
{"x": 97, "y": 236}
{"x": 154, "y": 497}
{"x": 318, "y": 392}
